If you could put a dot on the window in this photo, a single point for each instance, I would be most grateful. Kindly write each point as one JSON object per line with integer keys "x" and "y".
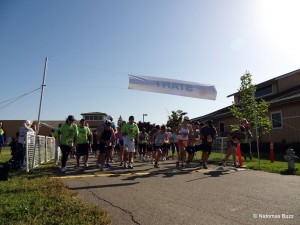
{"x": 263, "y": 91}
{"x": 222, "y": 127}
{"x": 276, "y": 118}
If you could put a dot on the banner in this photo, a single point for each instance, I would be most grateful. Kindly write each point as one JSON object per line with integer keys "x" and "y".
{"x": 172, "y": 87}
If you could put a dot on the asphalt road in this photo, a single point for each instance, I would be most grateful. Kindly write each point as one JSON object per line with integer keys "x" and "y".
{"x": 189, "y": 196}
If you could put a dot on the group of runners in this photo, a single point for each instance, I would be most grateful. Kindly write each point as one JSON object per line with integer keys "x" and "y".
{"x": 129, "y": 142}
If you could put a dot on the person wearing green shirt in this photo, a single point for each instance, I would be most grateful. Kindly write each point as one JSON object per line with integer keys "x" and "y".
{"x": 84, "y": 143}
{"x": 67, "y": 137}
{"x": 130, "y": 131}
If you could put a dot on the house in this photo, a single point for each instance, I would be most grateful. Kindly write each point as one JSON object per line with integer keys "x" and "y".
{"x": 283, "y": 95}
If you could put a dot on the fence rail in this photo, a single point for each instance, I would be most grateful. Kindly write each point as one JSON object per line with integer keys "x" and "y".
{"x": 44, "y": 152}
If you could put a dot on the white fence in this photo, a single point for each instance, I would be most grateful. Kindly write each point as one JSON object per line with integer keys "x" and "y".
{"x": 44, "y": 152}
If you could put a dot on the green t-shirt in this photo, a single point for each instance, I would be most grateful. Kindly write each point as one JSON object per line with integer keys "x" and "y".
{"x": 1, "y": 131}
{"x": 130, "y": 130}
{"x": 68, "y": 133}
{"x": 83, "y": 135}
{"x": 55, "y": 133}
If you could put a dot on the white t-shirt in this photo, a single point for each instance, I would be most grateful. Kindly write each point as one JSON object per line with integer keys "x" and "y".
{"x": 22, "y": 134}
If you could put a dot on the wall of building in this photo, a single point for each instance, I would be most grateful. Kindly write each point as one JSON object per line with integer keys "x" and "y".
{"x": 288, "y": 82}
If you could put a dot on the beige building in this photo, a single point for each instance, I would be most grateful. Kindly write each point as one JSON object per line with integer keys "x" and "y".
{"x": 94, "y": 119}
{"x": 283, "y": 95}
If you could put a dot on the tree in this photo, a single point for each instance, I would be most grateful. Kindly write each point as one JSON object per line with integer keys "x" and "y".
{"x": 175, "y": 119}
{"x": 249, "y": 109}
{"x": 120, "y": 121}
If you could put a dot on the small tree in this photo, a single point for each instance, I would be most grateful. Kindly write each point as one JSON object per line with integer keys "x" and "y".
{"x": 120, "y": 120}
{"x": 175, "y": 119}
{"x": 248, "y": 108}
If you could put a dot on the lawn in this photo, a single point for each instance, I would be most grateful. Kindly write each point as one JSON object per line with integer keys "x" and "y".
{"x": 34, "y": 198}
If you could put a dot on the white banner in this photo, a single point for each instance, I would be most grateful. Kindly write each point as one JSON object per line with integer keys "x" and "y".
{"x": 172, "y": 87}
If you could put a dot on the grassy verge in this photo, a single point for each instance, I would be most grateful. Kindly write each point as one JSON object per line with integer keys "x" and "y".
{"x": 34, "y": 198}
{"x": 279, "y": 165}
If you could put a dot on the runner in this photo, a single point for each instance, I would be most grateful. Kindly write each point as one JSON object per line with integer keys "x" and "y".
{"x": 105, "y": 138}
{"x": 208, "y": 134}
{"x": 143, "y": 137}
{"x": 131, "y": 131}
{"x": 84, "y": 143}
{"x": 245, "y": 145}
{"x": 193, "y": 138}
{"x": 67, "y": 138}
{"x": 184, "y": 130}
{"x": 174, "y": 143}
{"x": 161, "y": 137}
{"x": 151, "y": 146}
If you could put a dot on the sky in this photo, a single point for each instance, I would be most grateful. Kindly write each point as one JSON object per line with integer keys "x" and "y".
{"x": 93, "y": 45}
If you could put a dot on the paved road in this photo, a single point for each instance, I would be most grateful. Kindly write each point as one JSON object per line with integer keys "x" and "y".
{"x": 167, "y": 195}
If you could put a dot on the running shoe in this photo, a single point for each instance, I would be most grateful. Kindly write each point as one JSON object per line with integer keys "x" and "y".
{"x": 156, "y": 165}
{"x": 130, "y": 166}
{"x": 204, "y": 166}
{"x": 63, "y": 170}
{"x": 223, "y": 163}
{"x": 177, "y": 164}
{"x": 101, "y": 168}
{"x": 107, "y": 165}
{"x": 86, "y": 165}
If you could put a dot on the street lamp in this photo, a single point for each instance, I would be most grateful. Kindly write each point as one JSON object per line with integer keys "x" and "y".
{"x": 144, "y": 116}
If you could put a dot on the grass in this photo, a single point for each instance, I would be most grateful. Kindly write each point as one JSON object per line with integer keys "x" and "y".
{"x": 34, "y": 198}
{"x": 279, "y": 165}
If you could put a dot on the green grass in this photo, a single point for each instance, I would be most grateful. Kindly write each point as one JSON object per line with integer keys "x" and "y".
{"x": 279, "y": 165}
{"x": 35, "y": 198}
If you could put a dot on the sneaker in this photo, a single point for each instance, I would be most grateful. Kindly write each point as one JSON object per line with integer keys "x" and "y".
{"x": 164, "y": 158}
{"x": 101, "y": 168}
{"x": 182, "y": 166}
{"x": 223, "y": 163}
{"x": 130, "y": 166}
{"x": 125, "y": 166}
{"x": 97, "y": 165}
{"x": 63, "y": 170}
{"x": 156, "y": 165}
{"x": 86, "y": 165}
{"x": 177, "y": 164}
{"x": 107, "y": 165}
{"x": 204, "y": 166}
{"x": 121, "y": 164}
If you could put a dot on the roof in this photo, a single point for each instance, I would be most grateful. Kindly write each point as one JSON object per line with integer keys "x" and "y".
{"x": 271, "y": 81}
{"x": 287, "y": 96}
{"x": 93, "y": 113}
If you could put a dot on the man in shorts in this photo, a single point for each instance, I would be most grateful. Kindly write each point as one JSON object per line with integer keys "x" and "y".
{"x": 131, "y": 131}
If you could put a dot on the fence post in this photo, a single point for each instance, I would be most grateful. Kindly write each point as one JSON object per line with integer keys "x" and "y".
{"x": 271, "y": 151}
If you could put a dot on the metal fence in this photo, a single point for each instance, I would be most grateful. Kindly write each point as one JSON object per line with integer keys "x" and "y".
{"x": 220, "y": 147}
{"x": 44, "y": 150}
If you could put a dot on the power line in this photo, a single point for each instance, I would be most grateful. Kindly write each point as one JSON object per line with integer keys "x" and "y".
{"x": 17, "y": 98}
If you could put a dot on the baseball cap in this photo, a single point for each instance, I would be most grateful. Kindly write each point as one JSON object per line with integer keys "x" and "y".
{"x": 186, "y": 118}
{"x": 27, "y": 123}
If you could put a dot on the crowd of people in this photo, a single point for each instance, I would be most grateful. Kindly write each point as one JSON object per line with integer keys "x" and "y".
{"x": 128, "y": 141}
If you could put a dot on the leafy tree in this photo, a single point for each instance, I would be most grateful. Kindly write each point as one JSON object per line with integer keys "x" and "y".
{"x": 247, "y": 107}
{"x": 175, "y": 119}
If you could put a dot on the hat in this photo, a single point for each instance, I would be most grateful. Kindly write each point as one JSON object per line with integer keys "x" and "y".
{"x": 71, "y": 118}
{"x": 186, "y": 118}
{"x": 108, "y": 122}
{"x": 27, "y": 123}
{"x": 109, "y": 118}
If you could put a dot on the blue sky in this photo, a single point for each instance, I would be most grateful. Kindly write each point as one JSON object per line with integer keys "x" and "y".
{"x": 93, "y": 45}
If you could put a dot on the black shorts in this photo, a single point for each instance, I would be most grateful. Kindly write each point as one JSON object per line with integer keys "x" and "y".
{"x": 150, "y": 148}
{"x": 198, "y": 148}
{"x": 103, "y": 148}
{"x": 82, "y": 149}
{"x": 207, "y": 147}
{"x": 190, "y": 150}
{"x": 156, "y": 147}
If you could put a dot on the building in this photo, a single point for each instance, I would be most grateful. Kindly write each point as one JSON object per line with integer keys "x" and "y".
{"x": 93, "y": 119}
{"x": 283, "y": 95}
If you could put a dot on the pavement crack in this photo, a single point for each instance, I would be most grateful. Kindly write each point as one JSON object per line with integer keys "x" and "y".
{"x": 115, "y": 206}
{"x": 118, "y": 207}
